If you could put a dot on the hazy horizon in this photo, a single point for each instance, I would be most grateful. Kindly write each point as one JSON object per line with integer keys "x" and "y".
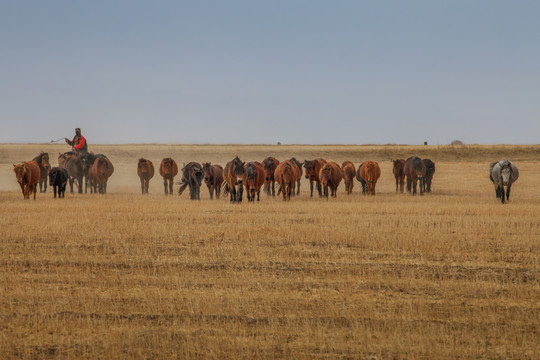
{"x": 251, "y": 72}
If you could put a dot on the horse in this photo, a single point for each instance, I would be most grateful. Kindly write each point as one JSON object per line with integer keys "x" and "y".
{"x": 62, "y": 157}
{"x": 234, "y": 175}
{"x": 414, "y": 170}
{"x": 430, "y": 170}
{"x": 213, "y": 178}
{"x": 44, "y": 166}
{"x": 192, "y": 175}
{"x": 504, "y": 173}
{"x": 78, "y": 167}
{"x": 330, "y": 175}
{"x": 286, "y": 177}
{"x": 58, "y": 178}
{"x": 370, "y": 172}
{"x": 27, "y": 174}
{"x": 168, "y": 170}
{"x": 100, "y": 172}
{"x": 399, "y": 164}
{"x": 298, "y": 166}
{"x": 313, "y": 167}
{"x": 270, "y": 164}
{"x": 348, "y": 175}
{"x": 360, "y": 179}
{"x": 254, "y": 179}
{"x": 145, "y": 171}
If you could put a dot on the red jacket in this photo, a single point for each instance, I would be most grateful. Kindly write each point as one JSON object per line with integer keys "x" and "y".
{"x": 80, "y": 145}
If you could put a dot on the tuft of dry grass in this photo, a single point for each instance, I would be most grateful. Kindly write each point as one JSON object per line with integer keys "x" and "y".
{"x": 450, "y": 274}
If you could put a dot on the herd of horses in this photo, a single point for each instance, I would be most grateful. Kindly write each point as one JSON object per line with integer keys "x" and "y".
{"x": 84, "y": 170}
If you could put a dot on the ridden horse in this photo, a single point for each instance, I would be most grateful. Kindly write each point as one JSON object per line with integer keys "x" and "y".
{"x": 370, "y": 172}
{"x": 399, "y": 174}
{"x": 27, "y": 174}
{"x": 44, "y": 166}
{"x": 348, "y": 175}
{"x": 100, "y": 172}
{"x": 286, "y": 176}
{"x": 313, "y": 167}
{"x": 58, "y": 178}
{"x": 270, "y": 164}
{"x": 298, "y": 166}
{"x": 145, "y": 171}
{"x": 430, "y": 170}
{"x": 414, "y": 170}
{"x": 503, "y": 173}
{"x": 62, "y": 157}
{"x": 213, "y": 178}
{"x": 254, "y": 179}
{"x": 78, "y": 167}
{"x": 192, "y": 175}
{"x": 234, "y": 175}
{"x": 330, "y": 175}
{"x": 168, "y": 170}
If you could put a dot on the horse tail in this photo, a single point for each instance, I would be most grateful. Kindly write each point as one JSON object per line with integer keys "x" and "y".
{"x": 182, "y": 187}
{"x": 225, "y": 188}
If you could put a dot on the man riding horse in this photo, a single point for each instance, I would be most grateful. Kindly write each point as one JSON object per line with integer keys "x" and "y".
{"x": 78, "y": 143}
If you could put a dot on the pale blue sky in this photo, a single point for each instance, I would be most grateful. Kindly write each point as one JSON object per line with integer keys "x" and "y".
{"x": 308, "y": 71}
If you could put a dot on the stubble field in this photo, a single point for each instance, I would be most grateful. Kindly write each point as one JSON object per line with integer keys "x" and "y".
{"x": 451, "y": 274}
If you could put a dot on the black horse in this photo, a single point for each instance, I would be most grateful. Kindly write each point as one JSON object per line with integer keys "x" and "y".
{"x": 58, "y": 178}
{"x": 430, "y": 170}
{"x": 361, "y": 180}
{"x": 192, "y": 175}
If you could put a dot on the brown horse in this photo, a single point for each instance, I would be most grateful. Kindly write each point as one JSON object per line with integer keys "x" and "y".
{"x": 145, "y": 171}
{"x": 415, "y": 170}
{"x": 370, "y": 172}
{"x": 213, "y": 178}
{"x": 313, "y": 168}
{"x": 298, "y": 166}
{"x": 44, "y": 167}
{"x": 349, "y": 171}
{"x": 100, "y": 172}
{"x": 254, "y": 179}
{"x": 234, "y": 175}
{"x": 62, "y": 157}
{"x": 168, "y": 170}
{"x": 270, "y": 164}
{"x": 331, "y": 176}
{"x": 286, "y": 176}
{"x": 399, "y": 174}
{"x": 27, "y": 174}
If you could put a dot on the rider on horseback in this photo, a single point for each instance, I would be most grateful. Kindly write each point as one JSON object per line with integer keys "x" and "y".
{"x": 78, "y": 143}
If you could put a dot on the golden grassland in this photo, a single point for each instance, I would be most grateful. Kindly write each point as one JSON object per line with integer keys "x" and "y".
{"x": 451, "y": 274}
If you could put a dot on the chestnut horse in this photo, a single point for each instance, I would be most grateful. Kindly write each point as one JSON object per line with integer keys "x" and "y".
{"x": 27, "y": 174}
{"x": 349, "y": 171}
{"x": 298, "y": 166}
{"x": 399, "y": 174}
{"x": 370, "y": 172}
{"x": 313, "y": 169}
{"x": 430, "y": 170}
{"x": 192, "y": 176}
{"x": 100, "y": 172}
{"x": 168, "y": 170}
{"x": 213, "y": 178}
{"x": 331, "y": 176}
{"x": 44, "y": 166}
{"x": 234, "y": 175}
{"x": 254, "y": 179}
{"x": 270, "y": 164}
{"x": 145, "y": 171}
{"x": 414, "y": 170}
{"x": 286, "y": 176}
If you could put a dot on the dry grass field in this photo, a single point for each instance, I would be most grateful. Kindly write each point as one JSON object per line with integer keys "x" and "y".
{"x": 452, "y": 274}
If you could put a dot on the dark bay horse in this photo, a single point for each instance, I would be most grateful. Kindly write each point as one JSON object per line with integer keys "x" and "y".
{"x": 100, "y": 172}
{"x": 44, "y": 166}
{"x": 370, "y": 172}
{"x": 503, "y": 173}
{"x": 430, "y": 170}
{"x": 254, "y": 179}
{"x": 270, "y": 164}
{"x": 313, "y": 168}
{"x": 27, "y": 174}
{"x": 349, "y": 172}
{"x": 286, "y": 177}
{"x": 414, "y": 170}
{"x": 192, "y": 176}
{"x": 234, "y": 175}
{"x": 397, "y": 170}
{"x": 58, "y": 178}
{"x": 145, "y": 171}
{"x": 213, "y": 178}
{"x": 78, "y": 168}
{"x": 168, "y": 170}
{"x": 331, "y": 176}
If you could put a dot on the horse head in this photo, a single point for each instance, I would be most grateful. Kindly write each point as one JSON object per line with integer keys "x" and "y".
{"x": 238, "y": 169}
{"x": 20, "y": 172}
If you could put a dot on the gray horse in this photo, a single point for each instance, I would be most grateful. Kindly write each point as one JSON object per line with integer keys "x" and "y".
{"x": 192, "y": 175}
{"x": 503, "y": 173}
